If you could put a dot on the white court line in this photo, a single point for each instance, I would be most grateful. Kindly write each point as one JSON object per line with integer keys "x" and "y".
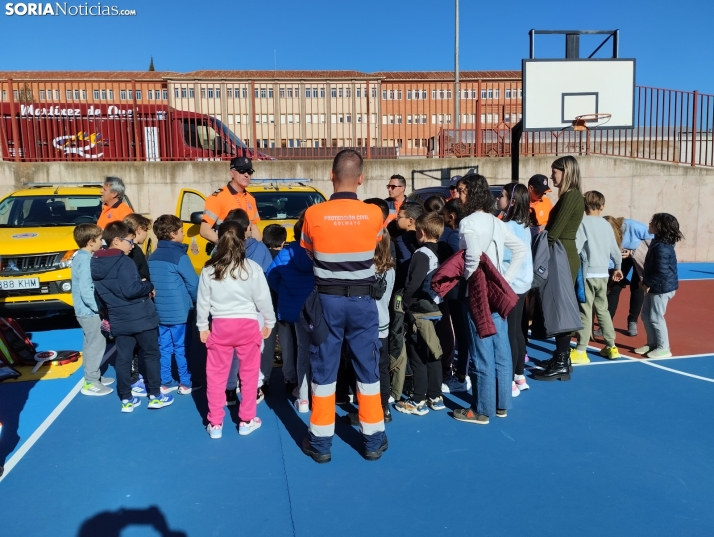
{"x": 648, "y": 361}
{"x": 34, "y": 437}
{"x": 678, "y": 372}
{"x": 20, "y": 453}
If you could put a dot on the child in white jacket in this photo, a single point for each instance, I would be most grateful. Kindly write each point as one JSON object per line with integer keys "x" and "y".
{"x": 233, "y": 289}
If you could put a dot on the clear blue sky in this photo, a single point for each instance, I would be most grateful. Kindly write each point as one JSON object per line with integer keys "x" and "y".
{"x": 670, "y": 40}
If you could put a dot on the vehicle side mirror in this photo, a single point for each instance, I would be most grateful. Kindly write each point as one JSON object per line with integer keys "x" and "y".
{"x": 197, "y": 217}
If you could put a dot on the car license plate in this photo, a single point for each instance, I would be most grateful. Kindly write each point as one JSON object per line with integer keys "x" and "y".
{"x": 18, "y": 284}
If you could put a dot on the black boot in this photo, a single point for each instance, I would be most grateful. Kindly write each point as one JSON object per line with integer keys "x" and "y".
{"x": 558, "y": 368}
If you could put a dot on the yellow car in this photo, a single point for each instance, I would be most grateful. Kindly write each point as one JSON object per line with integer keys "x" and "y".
{"x": 279, "y": 201}
{"x": 37, "y": 245}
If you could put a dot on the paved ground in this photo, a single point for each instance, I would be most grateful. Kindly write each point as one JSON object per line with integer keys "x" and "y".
{"x": 622, "y": 449}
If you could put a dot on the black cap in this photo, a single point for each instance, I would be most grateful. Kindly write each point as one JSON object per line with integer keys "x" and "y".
{"x": 539, "y": 182}
{"x": 241, "y": 164}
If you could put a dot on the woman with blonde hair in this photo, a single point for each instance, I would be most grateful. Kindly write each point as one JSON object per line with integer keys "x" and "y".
{"x": 563, "y": 223}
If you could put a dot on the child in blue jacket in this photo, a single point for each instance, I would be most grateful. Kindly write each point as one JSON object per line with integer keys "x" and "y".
{"x": 291, "y": 277}
{"x": 659, "y": 282}
{"x": 176, "y": 285}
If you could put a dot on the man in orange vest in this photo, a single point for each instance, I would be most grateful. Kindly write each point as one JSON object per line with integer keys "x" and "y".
{"x": 541, "y": 205}
{"x": 113, "y": 207}
{"x": 232, "y": 196}
{"x": 344, "y": 292}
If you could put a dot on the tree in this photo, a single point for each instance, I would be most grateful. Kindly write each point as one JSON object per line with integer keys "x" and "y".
{"x": 151, "y": 64}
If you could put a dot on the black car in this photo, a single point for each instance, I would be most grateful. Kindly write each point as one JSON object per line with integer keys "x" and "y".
{"x": 422, "y": 194}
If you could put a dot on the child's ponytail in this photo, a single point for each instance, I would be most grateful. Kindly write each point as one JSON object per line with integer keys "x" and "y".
{"x": 230, "y": 251}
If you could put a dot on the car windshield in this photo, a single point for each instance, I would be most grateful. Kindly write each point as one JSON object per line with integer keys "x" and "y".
{"x": 284, "y": 205}
{"x": 43, "y": 211}
{"x": 229, "y": 134}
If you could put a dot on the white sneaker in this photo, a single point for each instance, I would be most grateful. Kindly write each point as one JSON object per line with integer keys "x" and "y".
{"x": 90, "y": 388}
{"x": 214, "y": 431}
{"x": 515, "y": 392}
{"x": 453, "y": 385}
{"x": 107, "y": 381}
{"x": 659, "y": 353}
{"x": 391, "y": 399}
{"x": 247, "y": 427}
{"x": 302, "y": 406}
{"x": 468, "y": 383}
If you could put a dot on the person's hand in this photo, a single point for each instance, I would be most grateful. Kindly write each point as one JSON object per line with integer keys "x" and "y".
{"x": 204, "y": 335}
{"x": 644, "y": 287}
{"x": 265, "y": 332}
{"x": 617, "y": 276}
{"x": 152, "y": 294}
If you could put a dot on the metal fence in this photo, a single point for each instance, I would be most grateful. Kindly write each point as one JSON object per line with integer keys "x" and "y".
{"x": 670, "y": 126}
{"x": 159, "y": 119}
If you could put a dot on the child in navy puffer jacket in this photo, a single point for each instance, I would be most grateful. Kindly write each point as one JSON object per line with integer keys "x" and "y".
{"x": 176, "y": 284}
{"x": 291, "y": 276}
{"x": 132, "y": 315}
{"x": 659, "y": 282}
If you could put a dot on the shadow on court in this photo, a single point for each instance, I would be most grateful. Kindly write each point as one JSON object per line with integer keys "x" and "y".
{"x": 113, "y": 523}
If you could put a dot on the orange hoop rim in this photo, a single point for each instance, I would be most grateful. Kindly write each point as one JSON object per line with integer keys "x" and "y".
{"x": 592, "y": 117}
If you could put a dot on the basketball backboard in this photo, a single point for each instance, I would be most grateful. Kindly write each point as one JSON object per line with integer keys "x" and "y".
{"x": 556, "y": 91}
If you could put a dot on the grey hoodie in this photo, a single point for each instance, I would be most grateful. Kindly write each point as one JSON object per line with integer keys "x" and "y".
{"x": 596, "y": 245}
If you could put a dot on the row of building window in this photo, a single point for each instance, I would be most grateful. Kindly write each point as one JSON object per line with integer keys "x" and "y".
{"x": 289, "y": 119}
{"x": 397, "y": 119}
{"x": 81, "y": 95}
{"x": 446, "y": 94}
{"x": 291, "y": 143}
{"x": 268, "y": 93}
{"x": 440, "y": 119}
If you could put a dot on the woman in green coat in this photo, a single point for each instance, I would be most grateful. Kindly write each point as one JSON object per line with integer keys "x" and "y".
{"x": 563, "y": 223}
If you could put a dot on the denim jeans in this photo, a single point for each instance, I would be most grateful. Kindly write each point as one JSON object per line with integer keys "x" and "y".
{"x": 172, "y": 344}
{"x": 492, "y": 372}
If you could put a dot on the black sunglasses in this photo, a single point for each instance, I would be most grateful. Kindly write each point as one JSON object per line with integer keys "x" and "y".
{"x": 249, "y": 172}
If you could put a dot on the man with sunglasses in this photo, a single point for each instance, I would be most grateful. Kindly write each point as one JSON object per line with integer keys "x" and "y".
{"x": 232, "y": 196}
{"x": 396, "y": 187}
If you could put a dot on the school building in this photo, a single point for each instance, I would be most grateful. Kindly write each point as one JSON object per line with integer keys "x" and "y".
{"x": 294, "y": 109}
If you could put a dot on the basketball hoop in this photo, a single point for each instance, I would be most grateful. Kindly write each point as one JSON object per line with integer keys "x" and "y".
{"x": 580, "y": 122}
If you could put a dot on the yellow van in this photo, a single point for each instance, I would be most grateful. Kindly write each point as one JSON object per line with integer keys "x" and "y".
{"x": 37, "y": 245}
{"x": 279, "y": 201}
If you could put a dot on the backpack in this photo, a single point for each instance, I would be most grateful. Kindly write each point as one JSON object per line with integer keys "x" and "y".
{"x": 541, "y": 258}
{"x": 15, "y": 347}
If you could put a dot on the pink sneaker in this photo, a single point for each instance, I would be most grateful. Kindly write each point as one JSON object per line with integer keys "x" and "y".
{"x": 520, "y": 383}
{"x": 247, "y": 427}
{"x": 527, "y": 359}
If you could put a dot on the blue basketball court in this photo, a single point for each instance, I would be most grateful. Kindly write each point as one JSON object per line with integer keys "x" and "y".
{"x": 625, "y": 448}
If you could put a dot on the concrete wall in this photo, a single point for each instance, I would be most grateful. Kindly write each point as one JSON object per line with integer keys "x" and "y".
{"x": 633, "y": 188}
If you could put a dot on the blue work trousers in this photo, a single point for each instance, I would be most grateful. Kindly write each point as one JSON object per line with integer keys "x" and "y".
{"x": 352, "y": 319}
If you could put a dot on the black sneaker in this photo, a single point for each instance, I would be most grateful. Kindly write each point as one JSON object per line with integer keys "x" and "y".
{"x": 387, "y": 415}
{"x": 353, "y": 418}
{"x": 319, "y": 458}
{"x": 231, "y": 398}
{"x": 376, "y": 455}
{"x": 266, "y": 389}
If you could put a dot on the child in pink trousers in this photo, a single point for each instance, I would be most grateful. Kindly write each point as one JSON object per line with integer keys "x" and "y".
{"x": 233, "y": 290}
